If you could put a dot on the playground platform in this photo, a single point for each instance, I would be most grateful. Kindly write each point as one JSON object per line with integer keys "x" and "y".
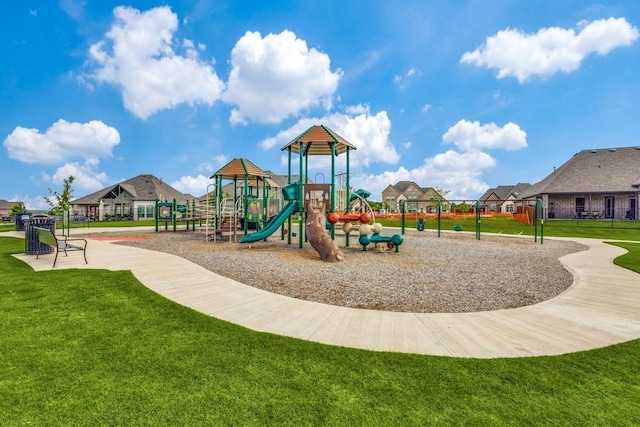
{"x": 601, "y": 308}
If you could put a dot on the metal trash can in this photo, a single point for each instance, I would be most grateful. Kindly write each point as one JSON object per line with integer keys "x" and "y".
{"x": 21, "y": 217}
{"x": 31, "y": 241}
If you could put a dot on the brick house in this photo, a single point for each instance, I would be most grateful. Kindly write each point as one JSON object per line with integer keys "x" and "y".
{"x": 502, "y": 199}
{"x": 133, "y": 198}
{"x": 602, "y": 183}
{"x": 417, "y": 199}
{"x": 5, "y": 208}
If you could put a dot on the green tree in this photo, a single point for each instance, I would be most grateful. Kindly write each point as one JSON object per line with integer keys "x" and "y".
{"x": 375, "y": 205}
{"x": 61, "y": 202}
{"x": 464, "y": 207}
{"x": 18, "y": 207}
{"x": 441, "y": 192}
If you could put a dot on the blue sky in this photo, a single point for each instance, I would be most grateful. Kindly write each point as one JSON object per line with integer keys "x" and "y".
{"x": 456, "y": 95}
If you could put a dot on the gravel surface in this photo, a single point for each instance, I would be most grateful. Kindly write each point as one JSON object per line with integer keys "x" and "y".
{"x": 450, "y": 274}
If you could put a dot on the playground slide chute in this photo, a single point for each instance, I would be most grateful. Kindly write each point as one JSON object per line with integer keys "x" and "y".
{"x": 272, "y": 225}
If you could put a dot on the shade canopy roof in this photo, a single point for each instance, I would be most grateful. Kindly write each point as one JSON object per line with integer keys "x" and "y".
{"x": 255, "y": 183}
{"x": 317, "y": 141}
{"x": 240, "y": 168}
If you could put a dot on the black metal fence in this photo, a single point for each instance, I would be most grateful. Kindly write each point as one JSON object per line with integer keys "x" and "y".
{"x": 610, "y": 218}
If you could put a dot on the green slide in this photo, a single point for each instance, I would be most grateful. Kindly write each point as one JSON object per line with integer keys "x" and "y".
{"x": 272, "y": 225}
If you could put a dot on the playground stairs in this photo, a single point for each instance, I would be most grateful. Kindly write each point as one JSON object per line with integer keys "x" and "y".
{"x": 206, "y": 209}
{"x": 229, "y": 226}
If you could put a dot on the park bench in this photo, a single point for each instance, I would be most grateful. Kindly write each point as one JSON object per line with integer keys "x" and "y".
{"x": 60, "y": 243}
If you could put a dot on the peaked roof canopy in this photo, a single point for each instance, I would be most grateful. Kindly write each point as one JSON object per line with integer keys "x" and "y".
{"x": 240, "y": 168}
{"x": 317, "y": 141}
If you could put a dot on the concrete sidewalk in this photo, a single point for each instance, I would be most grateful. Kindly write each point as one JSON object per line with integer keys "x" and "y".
{"x": 601, "y": 308}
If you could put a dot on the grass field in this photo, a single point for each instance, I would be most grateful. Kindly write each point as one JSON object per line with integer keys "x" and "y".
{"x": 505, "y": 225}
{"x": 88, "y": 347}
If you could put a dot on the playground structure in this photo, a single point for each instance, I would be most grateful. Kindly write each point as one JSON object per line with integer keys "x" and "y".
{"x": 244, "y": 213}
{"x": 253, "y": 211}
{"x": 315, "y": 228}
{"x": 317, "y": 140}
{"x": 250, "y": 205}
{"x": 189, "y": 213}
{"x": 360, "y": 212}
{"x": 321, "y": 141}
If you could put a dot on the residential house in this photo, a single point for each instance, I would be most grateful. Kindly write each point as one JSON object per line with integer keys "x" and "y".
{"x": 502, "y": 199}
{"x": 134, "y": 198}
{"x": 416, "y": 198}
{"x": 602, "y": 183}
{"x": 5, "y": 208}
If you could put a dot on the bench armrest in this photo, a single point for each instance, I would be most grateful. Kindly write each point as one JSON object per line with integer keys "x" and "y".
{"x": 66, "y": 239}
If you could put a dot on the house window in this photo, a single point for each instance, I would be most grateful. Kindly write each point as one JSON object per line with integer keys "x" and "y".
{"x": 509, "y": 207}
{"x": 609, "y": 207}
{"x": 145, "y": 211}
{"x": 493, "y": 207}
{"x": 579, "y": 205}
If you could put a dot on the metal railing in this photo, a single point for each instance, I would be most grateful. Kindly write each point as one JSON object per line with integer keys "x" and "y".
{"x": 609, "y": 218}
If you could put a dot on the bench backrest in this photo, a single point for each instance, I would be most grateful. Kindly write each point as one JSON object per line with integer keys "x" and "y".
{"x": 46, "y": 236}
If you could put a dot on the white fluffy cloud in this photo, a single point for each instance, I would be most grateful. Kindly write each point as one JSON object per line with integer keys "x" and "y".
{"x": 62, "y": 141}
{"x": 517, "y": 54}
{"x": 196, "y": 186}
{"x": 277, "y": 76}
{"x": 472, "y": 136}
{"x": 139, "y": 55}
{"x": 368, "y": 133}
{"x": 86, "y": 175}
{"x": 457, "y": 171}
{"x": 32, "y": 203}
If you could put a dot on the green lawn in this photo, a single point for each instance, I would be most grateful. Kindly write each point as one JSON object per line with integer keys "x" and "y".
{"x": 503, "y": 225}
{"x": 630, "y": 260}
{"x": 94, "y": 224}
{"x": 90, "y": 347}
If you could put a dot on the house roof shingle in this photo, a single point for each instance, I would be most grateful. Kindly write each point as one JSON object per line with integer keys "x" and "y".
{"x": 6, "y": 204}
{"x": 402, "y": 186}
{"x": 141, "y": 187}
{"x": 503, "y": 192}
{"x": 608, "y": 170}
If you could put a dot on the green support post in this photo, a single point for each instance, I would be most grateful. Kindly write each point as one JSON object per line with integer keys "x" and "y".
{"x": 156, "y": 215}
{"x": 402, "y": 206}
{"x": 175, "y": 208}
{"x": 301, "y": 196}
{"x": 289, "y": 222}
{"x": 439, "y": 217}
{"x": 333, "y": 188}
{"x": 193, "y": 215}
{"x": 347, "y": 195}
{"x": 477, "y": 220}
{"x": 538, "y": 213}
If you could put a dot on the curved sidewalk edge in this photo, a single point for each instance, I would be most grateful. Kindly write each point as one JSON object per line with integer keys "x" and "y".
{"x": 601, "y": 308}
